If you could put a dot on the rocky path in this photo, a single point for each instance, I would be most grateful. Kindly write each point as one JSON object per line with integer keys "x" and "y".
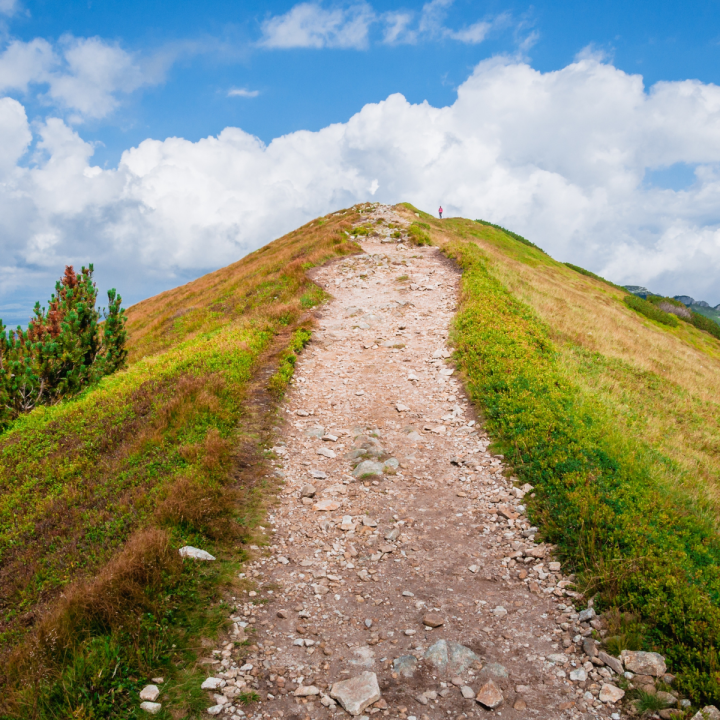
{"x": 402, "y": 578}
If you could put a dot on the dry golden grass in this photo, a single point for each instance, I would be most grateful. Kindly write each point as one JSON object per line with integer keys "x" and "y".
{"x": 662, "y": 383}
{"x": 239, "y": 291}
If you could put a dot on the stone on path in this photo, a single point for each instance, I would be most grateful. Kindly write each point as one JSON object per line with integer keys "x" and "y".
{"x": 611, "y": 662}
{"x": 367, "y": 468}
{"x": 467, "y": 692}
{"x": 150, "y": 692}
{"x": 357, "y": 693}
{"x": 326, "y": 505}
{"x": 450, "y": 657}
{"x": 610, "y": 693}
{"x": 433, "y": 620}
{"x": 306, "y": 691}
{"x": 195, "y": 553}
{"x": 489, "y": 695}
{"x": 644, "y": 663}
{"x": 152, "y": 708}
{"x": 405, "y": 665}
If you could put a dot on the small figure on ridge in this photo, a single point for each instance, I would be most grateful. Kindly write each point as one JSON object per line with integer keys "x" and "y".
{"x": 440, "y": 212}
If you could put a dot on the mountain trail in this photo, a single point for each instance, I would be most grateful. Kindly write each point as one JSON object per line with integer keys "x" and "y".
{"x": 400, "y": 558}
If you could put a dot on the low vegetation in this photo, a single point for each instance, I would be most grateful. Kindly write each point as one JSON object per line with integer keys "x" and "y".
{"x": 97, "y": 493}
{"x": 615, "y": 419}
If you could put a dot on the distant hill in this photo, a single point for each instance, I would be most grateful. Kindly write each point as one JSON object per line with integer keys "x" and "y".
{"x": 699, "y": 306}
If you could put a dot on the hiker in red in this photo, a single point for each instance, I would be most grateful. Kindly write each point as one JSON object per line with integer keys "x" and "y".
{"x": 440, "y": 212}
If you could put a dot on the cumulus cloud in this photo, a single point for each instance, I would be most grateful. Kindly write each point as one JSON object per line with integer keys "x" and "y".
{"x": 9, "y": 7}
{"x": 560, "y": 157}
{"x": 83, "y": 76}
{"x": 309, "y": 25}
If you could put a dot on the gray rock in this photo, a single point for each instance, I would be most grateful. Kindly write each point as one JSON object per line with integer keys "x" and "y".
{"x": 391, "y": 464}
{"x": 405, "y": 665}
{"x": 357, "y": 693}
{"x": 489, "y": 695}
{"x": 368, "y": 468}
{"x": 150, "y": 692}
{"x": 195, "y": 553}
{"x": 467, "y": 692}
{"x": 644, "y": 663}
{"x": 495, "y": 669}
{"x": 213, "y": 683}
{"x": 393, "y": 535}
{"x": 450, "y": 658}
{"x": 611, "y": 662}
{"x": 152, "y": 708}
{"x": 666, "y": 697}
{"x": 306, "y": 691}
{"x": 590, "y": 647}
{"x": 316, "y": 432}
{"x": 308, "y": 491}
{"x": 215, "y": 710}
{"x": 709, "y": 712}
{"x": 326, "y": 452}
{"x": 586, "y": 615}
{"x": 319, "y": 474}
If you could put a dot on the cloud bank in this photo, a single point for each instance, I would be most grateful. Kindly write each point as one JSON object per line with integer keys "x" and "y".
{"x": 560, "y": 157}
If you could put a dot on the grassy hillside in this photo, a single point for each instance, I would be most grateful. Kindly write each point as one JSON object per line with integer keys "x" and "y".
{"x": 615, "y": 418}
{"x": 97, "y": 494}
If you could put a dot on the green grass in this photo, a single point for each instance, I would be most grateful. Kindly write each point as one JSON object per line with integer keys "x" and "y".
{"x": 97, "y": 493}
{"x": 511, "y": 234}
{"x": 649, "y": 310}
{"x": 643, "y": 546}
{"x": 587, "y": 273}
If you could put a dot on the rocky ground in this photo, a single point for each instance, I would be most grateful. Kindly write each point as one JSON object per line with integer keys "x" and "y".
{"x": 402, "y": 578}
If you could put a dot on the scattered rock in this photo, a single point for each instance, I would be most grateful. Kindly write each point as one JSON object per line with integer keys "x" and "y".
{"x": 213, "y": 683}
{"x": 578, "y": 675}
{"x": 326, "y": 505}
{"x": 495, "y": 669}
{"x": 405, "y": 665}
{"x": 308, "y": 491}
{"x": 357, "y": 693}
{"x": 306, "y": 691}
{"x": 152, "y": 708}
{"x": 590, "y": 647}
{"x": 368, "y": 468}
{"x": 150, "y": 692}
{"x": 586, "y": 615}
{"x": 709, "y": 712}
{"x": 327, "y": 452}
{"x": 520, "y": 704}
{"x": 611, "y": 662}
{"x": 433, "y": 620}
{"x": 611, "y": 694}
{"x": 467, "y": 692}
{"x": 644, "y": 663}
{"x": 489, "y": 695}
{"x": 450, "y": 658}
{"x": 195, "y": 553}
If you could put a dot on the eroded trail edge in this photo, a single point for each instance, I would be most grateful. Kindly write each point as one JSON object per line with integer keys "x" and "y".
{"x": 400, "y": 557}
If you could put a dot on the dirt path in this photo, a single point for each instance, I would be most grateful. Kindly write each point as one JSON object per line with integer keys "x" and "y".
{"x": 360, "y": 568}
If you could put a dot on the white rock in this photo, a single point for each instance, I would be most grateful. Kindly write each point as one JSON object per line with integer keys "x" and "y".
{"x": 610, "y": 694}
{"x": 213, "y": 683}
{"x": 578, "y": 675}
{"x": 327, "y": 452}
{"x": 401, "y": 408}
{"x": 499, "y": 611}
{"x": 473, "y": 568}
{"x": 644, "y": 663}
{"x": 357, "y": 693}
{"x": 306, "y": 691}
{"x": 150, "y": 692}
{"x": 214, "y": 710}
{"x": 709, "y": 712}
{"x": 467, "y": 692}
{"x": 195, "y": 553}
{"x": 152, "y": 708}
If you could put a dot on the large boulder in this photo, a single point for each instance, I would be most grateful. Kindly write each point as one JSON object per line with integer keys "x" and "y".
{"x": 644, "y": 663}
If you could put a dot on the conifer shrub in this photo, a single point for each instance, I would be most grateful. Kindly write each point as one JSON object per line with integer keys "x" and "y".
{"x": 651, "y": 311}
{"x": 65, "y": 348}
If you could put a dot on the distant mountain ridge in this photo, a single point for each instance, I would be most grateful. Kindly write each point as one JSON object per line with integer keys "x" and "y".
{"x": 699, "y": 306}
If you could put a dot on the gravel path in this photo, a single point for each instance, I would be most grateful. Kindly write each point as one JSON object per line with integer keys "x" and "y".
{"x": 365, "y": 572}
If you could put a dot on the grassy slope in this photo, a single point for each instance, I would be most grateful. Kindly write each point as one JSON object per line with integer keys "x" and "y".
{"x": 138, "y": 466}
{"x": 616, "y": 420}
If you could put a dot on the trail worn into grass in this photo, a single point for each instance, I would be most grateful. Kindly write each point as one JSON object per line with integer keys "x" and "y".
{"x": 410, "y": 556}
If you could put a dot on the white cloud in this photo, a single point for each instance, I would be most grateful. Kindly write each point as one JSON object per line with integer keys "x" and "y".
{"x": 9, "y": 7}
{"x": 243, "y": 92}
{"x": 309, "y": 25}
{"x": 83, "y": 76}
{"x": 559, "y": 157}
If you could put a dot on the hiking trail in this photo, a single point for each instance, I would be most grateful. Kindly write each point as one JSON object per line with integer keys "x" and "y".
{"x": 400, "y": 557}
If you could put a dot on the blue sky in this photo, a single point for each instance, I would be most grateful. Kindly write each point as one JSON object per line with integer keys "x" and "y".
{"x": 591, "y": 127}
{"x": 206, "y": 49}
